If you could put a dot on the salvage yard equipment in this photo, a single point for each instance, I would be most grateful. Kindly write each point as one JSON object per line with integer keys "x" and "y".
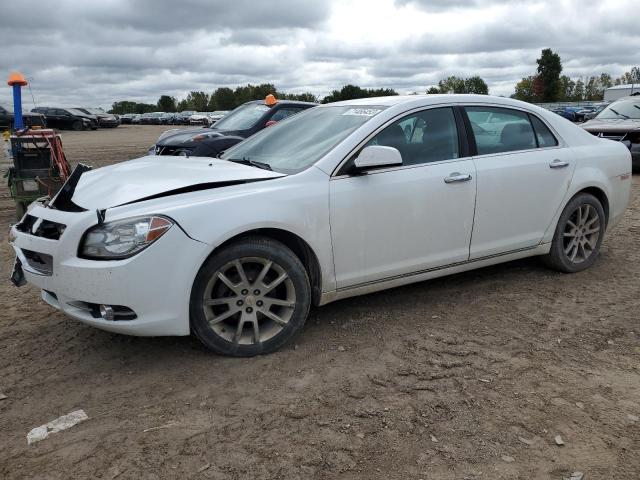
{"x": 39, "y": 167}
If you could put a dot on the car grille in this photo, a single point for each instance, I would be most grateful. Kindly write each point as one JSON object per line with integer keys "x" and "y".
{"x": 45, "y": 228}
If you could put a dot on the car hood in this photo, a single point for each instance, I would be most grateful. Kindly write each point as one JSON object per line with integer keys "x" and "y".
{"x": 184, "y": 135}
{"x": 153, "y": 176}
{"x": 612, "y": 125}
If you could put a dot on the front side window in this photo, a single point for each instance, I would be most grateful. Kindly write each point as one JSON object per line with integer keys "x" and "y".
{"x": 423, "y": 137}
{"x": 284, "y": 113}
{"x": 498, "y": 130}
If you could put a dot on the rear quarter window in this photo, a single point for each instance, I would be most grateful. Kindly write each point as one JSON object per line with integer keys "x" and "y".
{"x": 543, "y": 134}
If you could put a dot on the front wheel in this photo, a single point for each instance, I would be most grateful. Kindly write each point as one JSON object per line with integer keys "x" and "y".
{"x": 250, "y": 298}
{"x": 578, "y": 236}
{"x": 77, "y": 125}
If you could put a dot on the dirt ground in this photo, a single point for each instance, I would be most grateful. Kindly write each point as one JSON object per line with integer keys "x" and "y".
{"x": 466, "y": 377}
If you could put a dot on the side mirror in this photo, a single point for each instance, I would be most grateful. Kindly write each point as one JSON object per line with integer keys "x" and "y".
{"x": 377, "y": 156}
{"x": 270, "y": 123}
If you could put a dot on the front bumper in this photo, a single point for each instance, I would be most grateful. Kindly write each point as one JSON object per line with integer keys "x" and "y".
{"x": 155, "y": 284}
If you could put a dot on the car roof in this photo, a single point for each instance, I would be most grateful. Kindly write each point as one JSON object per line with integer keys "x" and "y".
{"x": 429, "y": 99}
{"x": 285, "y": 102}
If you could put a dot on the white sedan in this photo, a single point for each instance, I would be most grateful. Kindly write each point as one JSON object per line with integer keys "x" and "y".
{"x": 343, "y": 199}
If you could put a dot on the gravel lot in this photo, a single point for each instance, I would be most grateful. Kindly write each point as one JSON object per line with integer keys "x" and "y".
{"x": 466, "y": 377}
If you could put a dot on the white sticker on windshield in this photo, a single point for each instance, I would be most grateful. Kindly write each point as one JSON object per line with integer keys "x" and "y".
{"x": 363, "y": 112}
{"x": 262, "y": 108}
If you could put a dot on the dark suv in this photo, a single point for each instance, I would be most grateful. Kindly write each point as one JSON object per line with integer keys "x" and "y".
{"x": 234, "y": 127}
{"x": 67, "y": 118}
{"x": 29, "y": 119}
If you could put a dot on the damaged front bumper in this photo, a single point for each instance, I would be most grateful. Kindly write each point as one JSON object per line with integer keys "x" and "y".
{"x": 147, "y": 294}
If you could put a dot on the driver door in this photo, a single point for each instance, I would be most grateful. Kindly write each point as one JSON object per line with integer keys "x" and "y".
{"x": 402, "y": 220}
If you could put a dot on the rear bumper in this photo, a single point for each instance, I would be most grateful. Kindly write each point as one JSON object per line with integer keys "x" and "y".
{"x": 155, "y": 284}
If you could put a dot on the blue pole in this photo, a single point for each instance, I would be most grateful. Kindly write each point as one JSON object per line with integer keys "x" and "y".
{"x": 17, "y": 107}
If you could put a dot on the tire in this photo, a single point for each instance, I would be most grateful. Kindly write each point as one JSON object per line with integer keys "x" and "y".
{"x": 250, "y": 314}
{"x": 77, "y": 125}
{"x": 578, "y": 236}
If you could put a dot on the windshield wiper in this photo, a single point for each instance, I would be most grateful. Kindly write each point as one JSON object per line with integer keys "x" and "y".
{"x": 252, "y": 163}
{"x": 620, "y": 114}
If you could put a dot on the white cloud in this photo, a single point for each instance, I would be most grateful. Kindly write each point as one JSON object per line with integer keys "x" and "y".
{"x": 94, "y": 53}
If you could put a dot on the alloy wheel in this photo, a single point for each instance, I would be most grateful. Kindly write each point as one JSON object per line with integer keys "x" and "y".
{"x": 581, "y": 233}
{"x": 249, "y": 300}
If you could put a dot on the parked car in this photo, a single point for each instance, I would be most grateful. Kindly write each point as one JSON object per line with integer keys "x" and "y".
{"x": 241, "y": 123}
{"x": 199, "y": 118}
{"x": 619, "y": 121}
{"x": 216, "y": 116}
{"x": 104, "y": 119}
{"x": 182, "y": 118}
{"x": 167, "y": 118}
{"x": 151, "y": 118}
{"x": 136, "y": 119}
{"x": 29, "y": 119}
{"x": 340, "y": 200}
{"x": 126, "y": 118}
{"x": 67, "y": 118}
{"x": 597, "y": 108}
{"x": 565, "y": 113}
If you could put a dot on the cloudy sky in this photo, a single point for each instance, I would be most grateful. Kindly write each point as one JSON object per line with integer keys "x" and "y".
{"x": 92, "y": 53}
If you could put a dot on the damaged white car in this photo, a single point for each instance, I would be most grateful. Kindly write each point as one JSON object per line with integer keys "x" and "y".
{"x": 340, "y": 200}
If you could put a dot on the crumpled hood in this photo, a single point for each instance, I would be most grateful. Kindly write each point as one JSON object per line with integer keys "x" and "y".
{"x": 152, "y": 176}
{"x": 612, "y": 125}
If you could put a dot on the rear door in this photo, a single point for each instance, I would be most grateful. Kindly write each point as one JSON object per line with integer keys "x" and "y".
{"x": 523, "y": 173}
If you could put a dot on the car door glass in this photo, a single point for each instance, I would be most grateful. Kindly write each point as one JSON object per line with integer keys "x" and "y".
{"x": 544, "y": 135}
{"x": 498, "y": 130}
{"x": 423, "y": 137}
{"x": 284, "y": 113}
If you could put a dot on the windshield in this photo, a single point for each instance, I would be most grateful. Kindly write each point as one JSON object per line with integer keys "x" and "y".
{"x": 301, "y": 140}
{"x": 621, "y": 109}
{"x": 243, "y": 117}
{"x": 76, "y": 112}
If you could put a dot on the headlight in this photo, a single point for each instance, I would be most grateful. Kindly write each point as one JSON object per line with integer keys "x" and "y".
{"x": 122, "y": 238}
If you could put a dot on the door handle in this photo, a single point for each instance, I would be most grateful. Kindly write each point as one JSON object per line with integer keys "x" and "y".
{"x": 558, "y": 164}
{"x": 457, "y": 177}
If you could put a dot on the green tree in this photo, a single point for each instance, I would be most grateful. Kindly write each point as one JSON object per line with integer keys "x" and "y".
{"x": 452, "y": 84}
{"x": 167, "y": 103}
{"x": 433, "y": 90}
{"x": 126, "y": 106}
{"x": 525, "y": 90}
{"x": 565, "y": 88}
{"x": 222, "y": 99}
{"x": 578, "y": 91}
{"x": 593, "y": 90}
{"x": 198, "y": 101}
{"x": 475, "y": 84}
{"x": 183, "y": 105}
{"x": 349, "y": 92}
{"x": 549, "y": 70}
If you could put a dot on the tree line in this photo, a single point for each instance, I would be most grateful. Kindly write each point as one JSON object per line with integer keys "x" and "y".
{"x": 223, "y": 98}
{"x": 548, "y": 85}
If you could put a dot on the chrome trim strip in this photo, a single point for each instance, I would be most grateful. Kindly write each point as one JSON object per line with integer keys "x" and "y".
{"x": 434, "y": 269}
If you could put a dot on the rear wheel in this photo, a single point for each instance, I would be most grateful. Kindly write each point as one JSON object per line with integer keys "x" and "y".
{"x": 76, "y": 125}
{"x": 578, "y": 236}
{"x": 250, "y": 298}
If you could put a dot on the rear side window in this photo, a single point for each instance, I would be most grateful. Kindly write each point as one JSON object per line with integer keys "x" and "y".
{"x": 544, "y": 135}
{"x": 498, "y": 130}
